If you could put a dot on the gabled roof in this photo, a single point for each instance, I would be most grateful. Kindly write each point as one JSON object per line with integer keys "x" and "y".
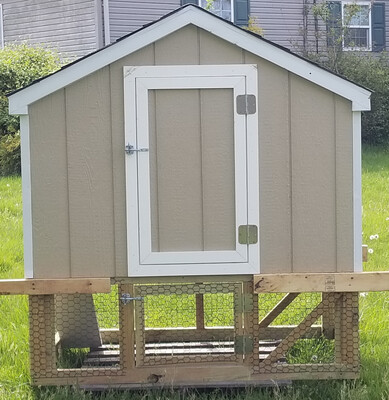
{"x": 189, "y": 14}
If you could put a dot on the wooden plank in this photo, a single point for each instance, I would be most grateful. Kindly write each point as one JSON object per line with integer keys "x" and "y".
{"x": 172, "y": 335}
{"x": 277, "y": 310}
{"x": 55, "y": 286}
{"x": 126, "y": 333}
{"x": 180, "y": 375}
{"x": 200, "y": 311}
{"x": 322, "y": 282}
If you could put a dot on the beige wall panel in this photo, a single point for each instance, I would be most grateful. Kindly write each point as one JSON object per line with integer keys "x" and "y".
{"x": 179, "y": 187}
{"x": 344, "y": 187}
{"x": 49, "y": 181}
{"x": 214, "y": 50}
{"x": 144, "y": 56}
{"x": 217, "y": 143}
{"x": 313, "y": 177}
{"x": 178, "y": 48}
{"x": 88, "y": 122}
{"x": 274, "y": 169}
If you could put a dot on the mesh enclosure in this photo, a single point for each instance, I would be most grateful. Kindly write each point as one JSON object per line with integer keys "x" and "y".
{"x": 186, "y": 323}
{"x": 75, "y": 335}
{"x": 148, "y": 328}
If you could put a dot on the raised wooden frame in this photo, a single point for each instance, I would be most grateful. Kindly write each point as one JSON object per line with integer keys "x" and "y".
{"x": 55, "y": 286}
{"x": 322, "y": 282}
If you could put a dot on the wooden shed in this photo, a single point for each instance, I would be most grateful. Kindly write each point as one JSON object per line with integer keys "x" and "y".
{"x": 186, "y": 162}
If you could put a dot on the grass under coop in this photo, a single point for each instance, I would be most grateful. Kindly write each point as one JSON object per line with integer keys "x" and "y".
{"x": 374, "y": 313}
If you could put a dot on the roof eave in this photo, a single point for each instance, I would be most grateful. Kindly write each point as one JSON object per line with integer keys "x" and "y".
{"x": 360, "y": 97}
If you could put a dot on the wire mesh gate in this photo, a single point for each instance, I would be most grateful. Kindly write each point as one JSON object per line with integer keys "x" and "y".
{"x": 150, "y": 333}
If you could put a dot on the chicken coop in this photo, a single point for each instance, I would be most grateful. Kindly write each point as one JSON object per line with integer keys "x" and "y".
{"x": 192, "y": 212}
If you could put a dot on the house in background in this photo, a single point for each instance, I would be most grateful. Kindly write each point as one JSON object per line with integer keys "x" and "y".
{"x": 78, "y": 27}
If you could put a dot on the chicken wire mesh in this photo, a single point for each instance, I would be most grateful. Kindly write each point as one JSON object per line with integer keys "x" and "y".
{"x": 184, "y": 324}
{"x": 75, "y": 335}
{"x": 310, "y": 333}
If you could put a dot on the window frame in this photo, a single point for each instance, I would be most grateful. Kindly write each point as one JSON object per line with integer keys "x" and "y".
{"x": 232, "y": 9}
{"x": 369, "y": 27}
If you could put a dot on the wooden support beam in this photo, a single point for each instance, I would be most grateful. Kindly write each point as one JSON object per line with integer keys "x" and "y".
{"x": 277, "y": 310}
{"x": 322, "y": 282}
{"x": 54, "y": 286}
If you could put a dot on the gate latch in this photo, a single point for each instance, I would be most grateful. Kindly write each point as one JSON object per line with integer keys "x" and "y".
{"x": 126, "y": 298}
{"x": 130, "y": 149}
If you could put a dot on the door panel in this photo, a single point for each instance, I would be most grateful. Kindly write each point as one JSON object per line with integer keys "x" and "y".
{"x": 187, "y": 179}
{"x": 191, "y": 154}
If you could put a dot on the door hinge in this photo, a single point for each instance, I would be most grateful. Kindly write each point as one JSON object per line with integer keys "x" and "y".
{"x": 246, "y": 104}
{"x": 245, "y": 303}
{"x": 244, "y": 344}
{"x": 248, "y": 234}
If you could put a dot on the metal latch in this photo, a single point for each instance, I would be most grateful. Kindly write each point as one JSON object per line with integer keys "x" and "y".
{"x": 126, "y": 298}
{"x": 130, "y": 149}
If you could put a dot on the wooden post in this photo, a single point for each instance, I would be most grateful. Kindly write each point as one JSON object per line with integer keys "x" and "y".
{"x": 200, "y": 311}
{"x": 42, "y": 337}
{"x": 126, "y": 329}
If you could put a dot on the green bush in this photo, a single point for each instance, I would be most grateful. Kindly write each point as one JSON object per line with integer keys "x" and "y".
{"x": 10, "y": 155}
{"x": 373, "y": 73}
{"x": 20, "y": 65}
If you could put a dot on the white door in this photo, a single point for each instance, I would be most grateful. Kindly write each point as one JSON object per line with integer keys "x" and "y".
{"x": 191, "y": 170}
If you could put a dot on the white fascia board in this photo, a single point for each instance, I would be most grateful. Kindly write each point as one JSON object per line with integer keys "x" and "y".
{"x": 360, "y": 97}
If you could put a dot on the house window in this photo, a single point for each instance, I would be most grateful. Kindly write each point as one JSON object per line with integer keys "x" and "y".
{"x": 222, "y": 8}
{"x": 356, "y": 18}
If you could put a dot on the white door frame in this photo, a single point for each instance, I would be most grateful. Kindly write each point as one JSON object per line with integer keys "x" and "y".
{"x": 242, "y": 79}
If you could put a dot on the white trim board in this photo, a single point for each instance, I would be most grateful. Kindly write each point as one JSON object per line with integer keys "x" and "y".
{"x": 26, "y": 191}
{"x": 357, "y": 191}
{"x": 360, "y": 97}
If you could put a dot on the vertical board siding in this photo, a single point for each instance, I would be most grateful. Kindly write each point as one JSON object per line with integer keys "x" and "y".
{"x": 69, "y": 26}
{"x": 144, "y": 56}
{"x": 313, "y": 177}
{"x": 49, "y": 181}
{"x": 344, "y": 188}
{"x": 274, "y": 167}
{"x": 128, "y": 16}
{"x": 178, "y": 49}
{"x": 306, "y": 221}
{"x": 89, "y": 148}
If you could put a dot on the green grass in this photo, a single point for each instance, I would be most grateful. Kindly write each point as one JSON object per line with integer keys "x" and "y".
{"x": 374, "y": 309}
